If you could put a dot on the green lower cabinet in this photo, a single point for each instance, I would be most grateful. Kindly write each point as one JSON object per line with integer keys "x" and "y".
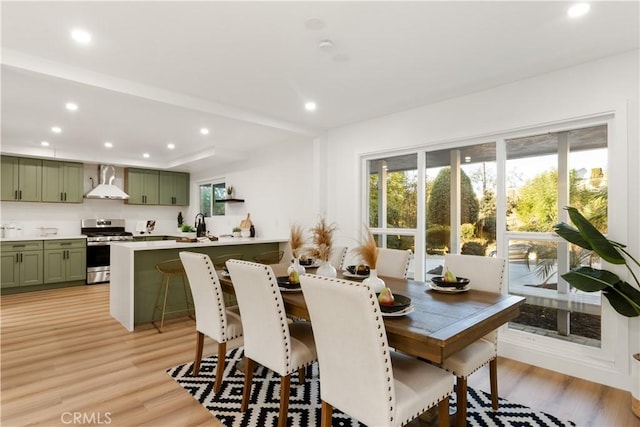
{"x": 65, "y": 260}
{"x": 22, "y": 264}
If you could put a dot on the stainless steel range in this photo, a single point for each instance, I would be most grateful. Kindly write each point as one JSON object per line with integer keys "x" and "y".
{"x": 100, "y": 234}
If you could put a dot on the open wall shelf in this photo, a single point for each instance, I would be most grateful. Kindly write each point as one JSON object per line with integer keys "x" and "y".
{"x": 230, "y": 200}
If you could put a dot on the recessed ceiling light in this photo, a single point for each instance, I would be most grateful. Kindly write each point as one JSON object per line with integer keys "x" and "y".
{"x": 325, "y": 45}
{"x": 45, "y": 143}
{"x": 108, "y": 144}
{"x": 310, "y": 106}
{"x": 81, "y": 36}
{"x": 204, "y": 131}
{"x": 71, "y": 106}
{"x": 146, "y": 155}
{"x": 56, "y": 129}
{"x": 578, "y": 10}
{"x": 171, "y": 146}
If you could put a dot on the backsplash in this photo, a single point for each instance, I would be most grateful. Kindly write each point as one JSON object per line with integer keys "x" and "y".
{"x": 66, "y": 217}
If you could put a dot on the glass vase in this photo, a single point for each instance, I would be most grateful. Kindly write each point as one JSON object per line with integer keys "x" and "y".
{"x": 374, "y": 282}
{"x": 326, "y": 269}
{"x": 296, "y": 266}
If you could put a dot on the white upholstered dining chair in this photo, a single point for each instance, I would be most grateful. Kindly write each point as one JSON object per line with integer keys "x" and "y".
{"x": 359, "y": 374}
{"x": 485, "y": 274}
{"x": 393, "y": 262}
{"x": 338, "y": 254}
{"x": 269, "y": 339}
{"x": 213, "y": 319}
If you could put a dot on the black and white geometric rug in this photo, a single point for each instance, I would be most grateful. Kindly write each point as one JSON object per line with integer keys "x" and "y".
{"x": 304, "y": 401}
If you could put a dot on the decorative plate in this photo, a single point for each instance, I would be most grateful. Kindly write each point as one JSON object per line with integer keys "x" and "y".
{"x": 449, "y": 290}
{"x": 346, "y": 273}
{"x": 399, "y": 313}
{"x": 401, "y": 302}
{"x": 441, "y": 283}
{"x": 284, "y": 282}
{"x": 353, "y": 270}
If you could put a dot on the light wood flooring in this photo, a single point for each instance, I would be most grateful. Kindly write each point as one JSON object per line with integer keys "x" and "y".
{"x": 62, "y": 353}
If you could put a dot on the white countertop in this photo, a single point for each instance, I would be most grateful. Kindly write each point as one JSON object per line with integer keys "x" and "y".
{"x": 172, "y": 244}
{"x": 22, "y": 239}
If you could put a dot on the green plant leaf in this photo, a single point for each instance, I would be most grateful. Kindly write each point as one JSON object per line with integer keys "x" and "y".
{"x": 589, "y": 279}
{"x": 598, "y": 242}
{"x": 624, "y": 298}
{"x": 571, "y": 235}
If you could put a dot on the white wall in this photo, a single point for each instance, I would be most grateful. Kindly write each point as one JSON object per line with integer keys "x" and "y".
{"x": 277, "y": 184}
{"x": 607, "y": 85}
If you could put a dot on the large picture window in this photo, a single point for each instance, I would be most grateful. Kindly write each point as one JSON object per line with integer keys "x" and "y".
{"x": 544, "y": 174}
{"x": 501, "y": 198}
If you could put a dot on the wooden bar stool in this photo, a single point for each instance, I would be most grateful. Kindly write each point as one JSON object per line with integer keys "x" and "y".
{"x": 170, "y": 269}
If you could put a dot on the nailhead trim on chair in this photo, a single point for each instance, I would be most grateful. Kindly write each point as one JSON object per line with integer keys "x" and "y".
{"x": 406, "y": 267}
{"x": 470, "y": 373}
{"x": 220, "y": 300}
{"x": 273, "y": 284}
{"x": 378, "y": 319}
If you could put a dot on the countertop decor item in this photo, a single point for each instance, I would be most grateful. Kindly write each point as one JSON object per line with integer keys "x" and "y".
{"x": 368, "y": 251}
{"x": 322, "y": 241}
{"x": 297, "y": 243}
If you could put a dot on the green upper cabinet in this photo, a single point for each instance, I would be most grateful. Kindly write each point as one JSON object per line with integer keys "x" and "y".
{"x": 142, "y": 186}
{"x": 21, "y": 179}
{"x": 174, "y": 188}
{"x": 62, "y": 181}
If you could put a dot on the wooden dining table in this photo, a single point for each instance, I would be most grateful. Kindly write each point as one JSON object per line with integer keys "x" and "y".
{"x": 441, "y": 323}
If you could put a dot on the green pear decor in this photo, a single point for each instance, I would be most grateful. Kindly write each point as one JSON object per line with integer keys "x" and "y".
{"x": 623, "y": 297}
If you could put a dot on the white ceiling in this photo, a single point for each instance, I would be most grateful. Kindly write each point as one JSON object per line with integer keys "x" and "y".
{"x": 156, "y": 72}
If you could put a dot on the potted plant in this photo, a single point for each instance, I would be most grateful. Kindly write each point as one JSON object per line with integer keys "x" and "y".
{"x": 180, "y": 221}
{"x": 623, "y": 297}
{"x": 230, "y": 192}
{"x": 236, "y": 231}
{"x": 188, "y": 231}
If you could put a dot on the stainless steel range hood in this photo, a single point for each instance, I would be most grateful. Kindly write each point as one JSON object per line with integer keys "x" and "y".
{"x": 106, "y": 189}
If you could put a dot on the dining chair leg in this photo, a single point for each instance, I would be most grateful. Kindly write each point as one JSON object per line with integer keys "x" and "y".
{"x": 285, "y": 383}
{"x": 301, "y": 375}
{"x": 199, "y": 345}
{"x": 461, "y": 395}
{"x": 327, "y": 412}
{"x": 222, "y": 351}
{"x": 493, "y": 378}
{"x": 248, "y": 379}
{"x": 443, "y": 412}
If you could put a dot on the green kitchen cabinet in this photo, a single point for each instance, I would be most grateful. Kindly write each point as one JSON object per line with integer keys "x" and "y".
{"x": 65, "y": 260}
{"x": 174, "y": 188}
{"x": 142, "y": 186}
{"x": 22, "y": 263}
{"x": 62, "y": 181}
{"x": 21, "y": 179}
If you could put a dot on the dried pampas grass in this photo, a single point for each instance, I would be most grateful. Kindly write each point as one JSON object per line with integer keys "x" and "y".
{"x": 297, "y": 240}
{"x": 322, "y": 239}
{"x": 368, "y": 250}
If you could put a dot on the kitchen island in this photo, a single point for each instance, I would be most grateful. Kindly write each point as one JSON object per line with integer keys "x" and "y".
{"x": 135, "y": 282}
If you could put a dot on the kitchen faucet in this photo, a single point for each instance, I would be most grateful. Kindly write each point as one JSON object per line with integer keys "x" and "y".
{"x": 201, "y": 227}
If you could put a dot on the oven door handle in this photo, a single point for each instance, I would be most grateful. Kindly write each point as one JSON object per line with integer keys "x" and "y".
{"x": 97, "y": 243}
